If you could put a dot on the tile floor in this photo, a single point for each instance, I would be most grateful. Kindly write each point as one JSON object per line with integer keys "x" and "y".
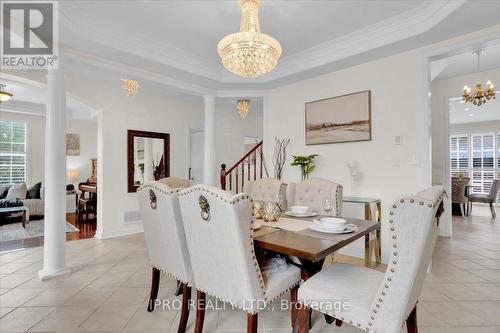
{"x": 108, "y": 287}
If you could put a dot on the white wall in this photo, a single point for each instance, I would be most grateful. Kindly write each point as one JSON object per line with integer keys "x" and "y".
{"x": 88, "y": 147}
{"x": 442, "y": 91}
{"x": 35, "y": 137}
{"x": 118, "y": 113}
{"x": 399, "y": 108}
{"x": 36, "y": 144}
{"x": 477, "y": 127}
{"x": 231, "y": 131}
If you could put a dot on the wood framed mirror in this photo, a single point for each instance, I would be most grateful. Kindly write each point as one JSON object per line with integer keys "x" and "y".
{"x": 148, "y": 157}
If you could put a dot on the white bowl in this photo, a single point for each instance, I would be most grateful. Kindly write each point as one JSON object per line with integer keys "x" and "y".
{"x": 300, "y": 209}
{"x": 332, "y": 222}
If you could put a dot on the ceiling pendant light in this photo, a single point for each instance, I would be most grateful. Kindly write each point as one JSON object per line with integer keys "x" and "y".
{"x": 243, "y": 106}
{"x": 4, "y": 96}
{"x": 478, "y": 97}
{"x": 130, "y": 86}
{"x": 249, "y": 53}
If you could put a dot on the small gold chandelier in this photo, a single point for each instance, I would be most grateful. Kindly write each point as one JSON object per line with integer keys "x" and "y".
{"x": 249, "y": 53}
{"x": 243, "y": 106}
{"x": 130, "y": 86}
{"x": 479, "y": 96}
{"x": 4, "y": 96}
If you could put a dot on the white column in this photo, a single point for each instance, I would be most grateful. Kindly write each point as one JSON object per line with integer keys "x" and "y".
{"x": 148, "y": 160}
{"x": 209, "y": 173}
{"x": 54, "y": 254}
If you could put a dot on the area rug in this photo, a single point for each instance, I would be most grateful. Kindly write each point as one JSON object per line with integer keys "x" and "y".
{"x": 15, "y": 231}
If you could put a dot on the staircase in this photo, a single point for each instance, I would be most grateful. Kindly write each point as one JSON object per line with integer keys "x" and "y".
{"x": 249, "y": 167}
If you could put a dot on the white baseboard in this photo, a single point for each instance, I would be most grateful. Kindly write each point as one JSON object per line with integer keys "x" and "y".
{"x": 125, "y": 230}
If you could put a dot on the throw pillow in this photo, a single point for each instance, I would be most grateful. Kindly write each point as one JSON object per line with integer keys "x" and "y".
{"x": 17, "y": 192}
{"x": 3, "y": 191}
{"x": 34, "y": 191}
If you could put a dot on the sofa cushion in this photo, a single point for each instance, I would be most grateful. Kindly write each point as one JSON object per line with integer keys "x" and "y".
{"x": 5, "y": 203}
{"x": 34, "y": 191}
{"x": 17, "y": 191}
{"x": 3, "y": 191}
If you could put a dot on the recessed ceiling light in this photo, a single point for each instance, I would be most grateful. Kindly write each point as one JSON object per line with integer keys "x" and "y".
{"x": 471, "y": 115}
{"x": 467, "y": 109}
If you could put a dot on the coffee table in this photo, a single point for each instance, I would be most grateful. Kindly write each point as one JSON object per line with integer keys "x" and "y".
{"x": 20, "y": 209}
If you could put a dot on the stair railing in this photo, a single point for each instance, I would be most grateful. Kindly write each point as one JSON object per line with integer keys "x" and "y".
{"x": 233, "y": 179}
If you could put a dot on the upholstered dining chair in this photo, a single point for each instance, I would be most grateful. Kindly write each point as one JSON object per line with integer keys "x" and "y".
{"x": 459, "y": 195}
{"x": 166, "y": 241}
{"x": 381, "y": 302}
{"x": 266, "y": 189}
{"x": 489, "y": 198}
{"x": 313, "y": 193}
{"x": 219, "y": 234}
{"x": 176, "y": 182}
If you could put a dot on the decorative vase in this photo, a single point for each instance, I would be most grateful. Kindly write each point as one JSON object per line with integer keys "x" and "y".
{"x": 272, "y": 211}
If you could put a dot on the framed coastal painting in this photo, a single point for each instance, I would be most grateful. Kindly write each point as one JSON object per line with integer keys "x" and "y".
{"x": 345, "y": 118}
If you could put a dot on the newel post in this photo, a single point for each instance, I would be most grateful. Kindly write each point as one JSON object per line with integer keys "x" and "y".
{"x": 223, "y": 176}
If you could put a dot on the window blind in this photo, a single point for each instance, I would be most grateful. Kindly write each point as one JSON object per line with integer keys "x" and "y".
{"x": 12, "y": 152}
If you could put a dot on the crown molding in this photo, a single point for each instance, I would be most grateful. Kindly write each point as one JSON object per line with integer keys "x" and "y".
{"x": 391, "y": 30}
{"x": 23, "y": 107}
{"x": 138, "y": 73}
{"x": 138, "y": 44}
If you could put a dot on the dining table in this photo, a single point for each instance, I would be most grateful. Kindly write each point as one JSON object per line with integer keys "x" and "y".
{"x": 292, "y": 236}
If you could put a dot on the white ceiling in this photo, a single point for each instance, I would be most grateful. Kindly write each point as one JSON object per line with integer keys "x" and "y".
{"x": 173, "y": 43}
{"x": 466, "y": 63}
{"x": 30, "y": 97}
{"x": 461, "y": 112}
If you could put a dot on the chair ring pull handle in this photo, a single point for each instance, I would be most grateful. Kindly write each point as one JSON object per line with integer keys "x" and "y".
{"x": 152, "y": 199}
{"x": 205, "y": 208}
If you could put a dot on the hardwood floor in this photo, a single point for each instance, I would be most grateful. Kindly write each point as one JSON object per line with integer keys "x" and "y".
{"x": 87, "y": 230}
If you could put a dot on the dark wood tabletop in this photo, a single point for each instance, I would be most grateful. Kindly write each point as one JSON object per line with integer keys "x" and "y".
{"x": 315, "y": 248}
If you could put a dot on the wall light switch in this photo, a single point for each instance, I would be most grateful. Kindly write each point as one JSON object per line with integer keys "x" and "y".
{"x": 398, "y": 140}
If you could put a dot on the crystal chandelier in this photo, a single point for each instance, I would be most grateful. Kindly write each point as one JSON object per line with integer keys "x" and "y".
{"x": 4, "y": 96}
{"x": 479, "y": 96}
{"x": 249, "y": 53}
{"x": 130, "y": 86}
{"x": 243, "y": 106}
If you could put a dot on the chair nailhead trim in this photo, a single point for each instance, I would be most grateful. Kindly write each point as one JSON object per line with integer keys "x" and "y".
{"x": 395, "y": 253}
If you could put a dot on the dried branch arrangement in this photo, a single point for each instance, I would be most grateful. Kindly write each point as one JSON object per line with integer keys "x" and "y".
{"x": 279, "y": 156}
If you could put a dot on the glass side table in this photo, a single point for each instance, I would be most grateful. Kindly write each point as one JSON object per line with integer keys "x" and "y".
{"x": 371, "y": 245}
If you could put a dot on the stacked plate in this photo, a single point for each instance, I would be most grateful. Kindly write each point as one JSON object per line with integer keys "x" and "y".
{"x": 333, "y": 225}
{"x": 301, "y": 211}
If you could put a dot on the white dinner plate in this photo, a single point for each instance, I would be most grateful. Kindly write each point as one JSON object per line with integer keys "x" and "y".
{"x": 311, "y": 214}
{"x": 348, "y": 229}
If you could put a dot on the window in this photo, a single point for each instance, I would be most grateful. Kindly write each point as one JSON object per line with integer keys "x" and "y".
{"x": 12, "y": 152}
{"x": 483, "y": 162}
{"x": 459, "y": 154}
{"x": 477, "y": 155}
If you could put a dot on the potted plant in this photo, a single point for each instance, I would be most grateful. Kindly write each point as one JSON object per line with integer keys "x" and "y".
{"x": 460, "y": 175}
{"x": 305, "y": 163}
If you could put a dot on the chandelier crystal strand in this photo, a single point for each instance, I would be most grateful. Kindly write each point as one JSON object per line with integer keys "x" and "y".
{"x": 130, "y": 86}
{"x": 479, "y": 97}
{"x": 243, "y": 106}
{"x": 249, "y": 53}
